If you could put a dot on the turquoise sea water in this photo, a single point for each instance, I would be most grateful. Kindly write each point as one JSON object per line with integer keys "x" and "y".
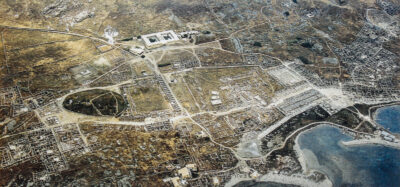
{"x": 366, "y": 165}
{"x": 389, "y": 118}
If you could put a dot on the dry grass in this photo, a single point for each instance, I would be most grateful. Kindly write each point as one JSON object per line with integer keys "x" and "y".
{"x": 148, "y": 99}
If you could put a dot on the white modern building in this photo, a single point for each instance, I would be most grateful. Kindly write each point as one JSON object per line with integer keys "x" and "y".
{"x": 159, "y": 39}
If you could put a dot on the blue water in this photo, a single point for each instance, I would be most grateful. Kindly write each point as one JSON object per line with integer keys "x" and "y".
{"x": 389, "y": 118}
{"x": 366, "y": 165}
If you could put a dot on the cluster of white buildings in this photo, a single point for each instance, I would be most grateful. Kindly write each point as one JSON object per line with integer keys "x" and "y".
{"x": 183, "y": 174}
{"x": 388, "y": 137}
{"x": 215, "y": 99}
{"x": 159, "y": 39}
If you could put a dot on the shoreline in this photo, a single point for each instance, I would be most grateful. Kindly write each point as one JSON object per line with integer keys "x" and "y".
{"x": 300, "y": 154}
{"x": 376, "y": 108}
{"x": 374, "y": 141}
{"x": 281, "y": 179}
{"x": 376, "y": 112}
{"x": 302, "y": 157}
{"x": 297, "y": 179}
{"x": 294, "y": 180}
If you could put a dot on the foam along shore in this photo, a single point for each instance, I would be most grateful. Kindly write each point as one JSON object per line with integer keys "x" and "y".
{"x": 373, "y": 141}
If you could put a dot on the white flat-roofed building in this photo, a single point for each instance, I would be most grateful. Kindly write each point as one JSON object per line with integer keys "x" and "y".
{"x": 188, "y": 33}
{"x": 216, "y": 102}
{"x": 159, "y": 39}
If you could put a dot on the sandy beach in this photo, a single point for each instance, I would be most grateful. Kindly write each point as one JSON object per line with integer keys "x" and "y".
{"x": 295, "y": 180}
{"x": 300, "y": 154}
{"x": 375, "y": 141}
{"x": 284, "y": 179}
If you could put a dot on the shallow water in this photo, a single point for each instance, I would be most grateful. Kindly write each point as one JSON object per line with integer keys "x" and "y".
{"x": 389, "y": 118}
{"x": 366, "y": 165}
